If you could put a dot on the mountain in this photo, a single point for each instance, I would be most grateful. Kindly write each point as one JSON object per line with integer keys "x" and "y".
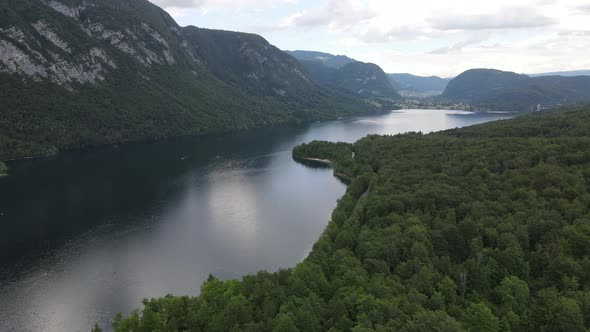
{"x": 364, "y": 79}
{"x": 570, "y": 73}
{"x": 419, "y": 84}
{"x": 502, "y": 90}
{"x": 329, "y": 60}
{"x": 78, "y": 73}
{"x": 249, "y": 62}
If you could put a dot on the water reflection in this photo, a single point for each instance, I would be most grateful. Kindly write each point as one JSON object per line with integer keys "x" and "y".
{"x": 88, "y": 234}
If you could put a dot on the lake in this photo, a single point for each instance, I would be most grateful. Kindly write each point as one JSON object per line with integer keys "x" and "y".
{"x": 90, "y": 233}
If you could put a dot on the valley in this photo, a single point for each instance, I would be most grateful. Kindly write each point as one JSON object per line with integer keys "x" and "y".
{"x": 160, "y": 170}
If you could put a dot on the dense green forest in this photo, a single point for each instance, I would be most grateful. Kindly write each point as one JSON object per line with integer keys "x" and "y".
{"x": 484, "y": 228}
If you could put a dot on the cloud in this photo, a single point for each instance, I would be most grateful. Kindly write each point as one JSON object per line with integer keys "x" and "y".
{"x": 579, "y": 33}
{"x": 458, "y": 47}
{"x": 422, "y": 36}
{"x": 406, "y": 32}
{"x": 506, "y": 18}
{"x": 585, "y": 9}
{"x": 179, "y": 3}
{"x": 336, "y": 14}
{"x": 204, "y": 4}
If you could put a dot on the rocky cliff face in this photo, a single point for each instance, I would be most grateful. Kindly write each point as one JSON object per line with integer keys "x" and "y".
{"x": 78, "y": 72}
{"x": 76, "y": 41}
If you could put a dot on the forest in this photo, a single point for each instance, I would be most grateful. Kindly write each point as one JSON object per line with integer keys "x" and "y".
{"x": 484, "y": 228}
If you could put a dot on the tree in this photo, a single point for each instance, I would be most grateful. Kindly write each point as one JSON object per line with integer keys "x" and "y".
{"x": 514, "y": 294}
{"x": 284, "y": 323}
{"x": 448, "y": 288}
{"x": 437, "y": 321}
{"x": 553, "y": 312}
{"x": 479, "y": 318}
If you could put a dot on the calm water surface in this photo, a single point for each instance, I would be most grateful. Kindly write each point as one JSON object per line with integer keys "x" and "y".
{"x": 89, "y": 234}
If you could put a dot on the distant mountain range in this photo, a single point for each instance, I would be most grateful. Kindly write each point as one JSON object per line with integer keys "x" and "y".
{"x": 75, "y": 73}
{"x": 564, "y": 73}
{"x": 326, "y": 69}
{"x": 348, "y": 75}
{"x": 503, "y": 90}
{"x": 419, "y": 84}
{"x": 407, "y": 84}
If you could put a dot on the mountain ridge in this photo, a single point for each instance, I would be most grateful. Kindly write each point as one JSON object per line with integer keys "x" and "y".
{"x": 568, "y": 73}
{"x": 364, "y": 79}
{"x": 330, "y": 60}
{"x": 510, "y": 91}
{"x": 419, "y": 84}
{"x": 77, "y": 73}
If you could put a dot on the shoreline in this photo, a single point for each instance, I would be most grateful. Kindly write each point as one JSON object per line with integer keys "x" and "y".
{"x": 328, "y": 163}
{"x": 318, "y": 160}
{"x": 207, "y": 133}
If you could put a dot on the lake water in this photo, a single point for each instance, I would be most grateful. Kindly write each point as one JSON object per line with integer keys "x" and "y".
{"x": 89, "y": 234}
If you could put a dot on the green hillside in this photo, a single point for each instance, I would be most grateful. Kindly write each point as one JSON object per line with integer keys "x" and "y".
{"x": 500, "y": 90}
{"x": 327, "y": 59}
{"x": 419, "y": 84}
{"x": 367, "y": 80}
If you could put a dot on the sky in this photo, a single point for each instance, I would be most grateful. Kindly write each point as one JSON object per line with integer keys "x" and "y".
{"x": 422, "y": 37}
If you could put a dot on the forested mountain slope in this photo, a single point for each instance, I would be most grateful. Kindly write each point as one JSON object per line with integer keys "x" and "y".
{"x": 76, "y": 72}
{"x": 509, "y": 91}
{"x": 248, "y": 62}
{"x": 364, "y": 79}
{"x": 327, "y": 59}
{"x": 484, "y": 228}
{"x": 419, "y": 84}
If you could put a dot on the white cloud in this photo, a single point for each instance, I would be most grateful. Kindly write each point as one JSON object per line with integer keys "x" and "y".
{"x": 419, "y": 36}
{"x": 458, "y": 47}
{"x": 335, "y": 14}
{"x": 505, "y": 18}
{"x": 207, "y": 4}
{"x": 405, "y": 32}
{"x": 584, "y": 8}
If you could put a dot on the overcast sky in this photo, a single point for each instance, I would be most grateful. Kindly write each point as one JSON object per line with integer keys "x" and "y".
{"x": 425, "y": 37}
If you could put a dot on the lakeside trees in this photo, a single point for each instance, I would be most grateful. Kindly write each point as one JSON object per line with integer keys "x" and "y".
{"x": 478, "y": 229}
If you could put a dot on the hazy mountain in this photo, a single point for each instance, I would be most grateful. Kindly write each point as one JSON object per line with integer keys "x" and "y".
{"x": 248, "y": 62}
{"x": 365, "y": 79}
{"x": 333, "y": 61}
{"x": 419, "y": 84}
{"x": 570, "y": 73}
{"x": 511, "y": 91}
{"x": 77, "y": 72}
